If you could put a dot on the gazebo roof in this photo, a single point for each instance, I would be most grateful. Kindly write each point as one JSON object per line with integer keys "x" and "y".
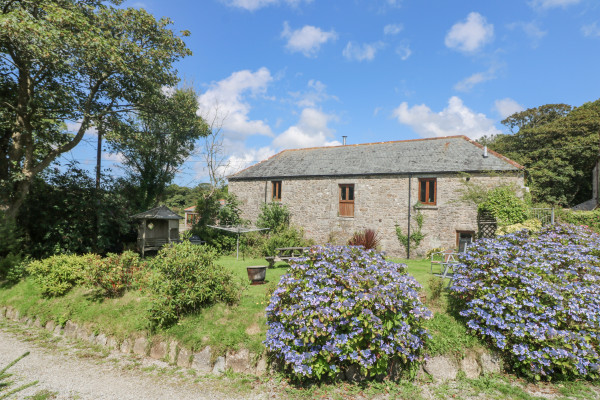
{"x": 160, "y": 212}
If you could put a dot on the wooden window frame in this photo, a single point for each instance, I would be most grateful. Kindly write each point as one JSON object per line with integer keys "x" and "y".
{"x": 276, "y": 190}
{"x": 346, "y": 207}
{"x": 426, "y": 182}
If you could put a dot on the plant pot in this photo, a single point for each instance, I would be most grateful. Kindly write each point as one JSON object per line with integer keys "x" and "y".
{"x": 257, "y": 274}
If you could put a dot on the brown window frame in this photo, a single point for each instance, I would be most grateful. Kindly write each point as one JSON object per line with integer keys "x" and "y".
{"x": 346, "y": 206}
{"x": 276, "y": 190}
{"x": 425, "y": 200}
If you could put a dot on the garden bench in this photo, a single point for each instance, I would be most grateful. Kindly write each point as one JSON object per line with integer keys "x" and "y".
{"x": 285, "y": 254}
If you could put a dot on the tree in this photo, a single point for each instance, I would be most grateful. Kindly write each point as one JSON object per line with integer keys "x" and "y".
{"x": 177, "y": 198}
{"x": 558, "y": 145}
{"x": 59, "y": 214}
{"x": 155, "y": 141}
{"x": 71, "y": 61}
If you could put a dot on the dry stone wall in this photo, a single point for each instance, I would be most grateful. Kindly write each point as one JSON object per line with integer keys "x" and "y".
{"x": 380, "y": 203}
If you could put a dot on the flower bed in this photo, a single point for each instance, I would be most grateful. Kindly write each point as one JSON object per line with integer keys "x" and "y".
{"x": 345, "y": 307}
{"x": 536, "y": 298}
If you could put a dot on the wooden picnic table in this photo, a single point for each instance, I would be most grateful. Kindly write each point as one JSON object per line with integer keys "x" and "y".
{"x": 285, "y": 254}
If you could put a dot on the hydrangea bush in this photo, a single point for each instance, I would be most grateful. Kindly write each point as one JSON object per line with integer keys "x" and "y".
{"x": 345, "y": 307}
{"x": 536, "y": 297}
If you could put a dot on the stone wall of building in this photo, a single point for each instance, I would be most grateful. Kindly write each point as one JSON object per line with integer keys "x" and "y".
{"x": 380, "y": 203}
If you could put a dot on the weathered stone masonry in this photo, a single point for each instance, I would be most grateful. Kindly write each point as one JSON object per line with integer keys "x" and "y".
{"x": 380, "y": 203}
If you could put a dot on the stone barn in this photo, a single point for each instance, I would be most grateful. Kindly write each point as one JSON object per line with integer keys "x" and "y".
{"x": 333, "y": 192}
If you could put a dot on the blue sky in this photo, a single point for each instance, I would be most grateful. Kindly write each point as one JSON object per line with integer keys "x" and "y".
{"x": 281, "y": 74}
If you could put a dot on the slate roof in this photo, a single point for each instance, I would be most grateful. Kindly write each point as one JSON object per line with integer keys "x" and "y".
{"x": 160, "y": 212}
{"x": 435, "y": 155}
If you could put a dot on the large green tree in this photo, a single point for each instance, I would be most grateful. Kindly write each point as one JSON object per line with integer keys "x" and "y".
{"x": 72, "y": 61}
{"x": 155, "y": 141}
{"x": 559, "y": 147}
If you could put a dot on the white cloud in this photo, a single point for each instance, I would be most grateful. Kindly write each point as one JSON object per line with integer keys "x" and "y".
{"x": 311, "y": 131}
{"x": 532, "y": 30}
{"x": 470, "y": 82}
{"x": 307, "y": 40}
{"x": 242, "y": 160}
{"x": 252, "y": 5}
{"x": 591, "y": 30}
{"x": 456, "y": 119}
{"x": 470, "y": 35}
{"x": 225, "y": 102}
{"x": 115, "y": 157}
{"x": 392, "y": 29}
{"x": 404, "y": 51}
{"x": 361, "y": 52}
{"x": 545, "y": 4}
{"x": 507, "y": 107}
{"x": 73, "y": 127}
{"x": 315, "y": 94}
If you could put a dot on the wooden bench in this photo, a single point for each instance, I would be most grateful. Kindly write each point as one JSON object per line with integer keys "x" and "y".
{"x": 285, "y": 254}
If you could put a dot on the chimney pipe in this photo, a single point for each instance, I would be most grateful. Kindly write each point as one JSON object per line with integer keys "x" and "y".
{"x": 344, "y": 139}
{"x": 485, "y": 153}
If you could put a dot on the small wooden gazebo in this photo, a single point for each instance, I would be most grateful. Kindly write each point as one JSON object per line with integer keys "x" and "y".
{"x": 156, "y": 227}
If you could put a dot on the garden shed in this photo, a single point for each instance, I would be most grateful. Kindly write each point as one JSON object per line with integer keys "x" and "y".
{"x": 156, "y": 227}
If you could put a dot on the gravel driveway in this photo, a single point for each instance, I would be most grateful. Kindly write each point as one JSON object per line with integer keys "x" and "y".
{"x": 56, "y": 365}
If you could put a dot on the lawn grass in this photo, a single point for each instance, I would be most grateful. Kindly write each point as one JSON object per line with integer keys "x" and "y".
{"x": 220, "y": 326}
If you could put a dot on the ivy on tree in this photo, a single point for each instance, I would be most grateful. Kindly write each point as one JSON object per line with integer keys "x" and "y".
{"x": 72, "y": 61}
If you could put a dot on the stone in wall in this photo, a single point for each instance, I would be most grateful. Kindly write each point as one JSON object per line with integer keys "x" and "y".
{"x": 202, "y": 361}
{"x": 50, "y": 325}
{"x": 70, "y": 329}
{"x": 125, "y": 346}
{"x": 238, "y": 361}
{"x": 219, "y": 367}
{"x": 441, "y": 368}
{"x": 183, "y": 358}
{"x": 158, "y": 351}
{"x": 173, "y": 351}
{"x": 140, "y": 346}
{"x": 101, "y": 340}
{"x": 470, "y": 366}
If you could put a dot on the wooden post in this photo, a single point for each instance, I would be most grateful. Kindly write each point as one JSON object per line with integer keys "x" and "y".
{"x": 143, "y": 237}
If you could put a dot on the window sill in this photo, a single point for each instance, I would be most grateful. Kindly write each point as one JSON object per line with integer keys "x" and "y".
{"x": 345, "y": 217}
{"x": 427, "y": 207}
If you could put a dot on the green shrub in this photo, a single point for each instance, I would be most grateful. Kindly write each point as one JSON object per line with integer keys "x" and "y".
{"x": 187, "y": 279}
{"x": 58, "y": 274}
{"x": 503, "y": 203}
{"x": 275, "y": 216}
{"x": 344, "y": 309}
{"x": 535, "y": 298}
{"x": 290, "y": 237}
{"x": 18, "y": 270}
{"x": 590, "y": 219}
{"x": 532, "y": 225}
{"x": 113, "y": 274}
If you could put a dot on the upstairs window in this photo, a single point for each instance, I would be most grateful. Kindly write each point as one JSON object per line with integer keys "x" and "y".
{"x": 276, "y": 190}
{"x": 427, "y": 191}
{"x": 347, "y": 200}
